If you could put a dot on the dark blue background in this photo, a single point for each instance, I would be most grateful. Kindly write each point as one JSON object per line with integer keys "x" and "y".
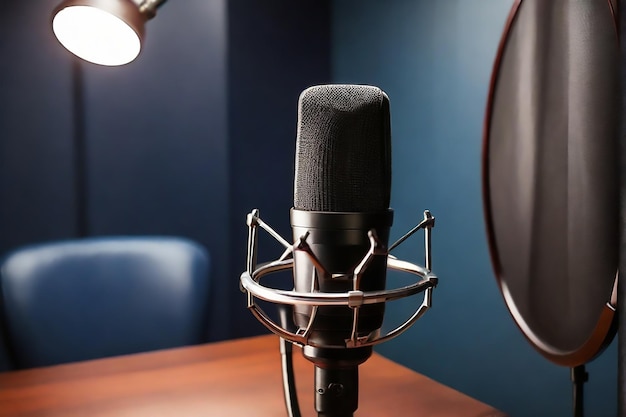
{"x": 434, "y": 59}
{"x": 201, "y": 128}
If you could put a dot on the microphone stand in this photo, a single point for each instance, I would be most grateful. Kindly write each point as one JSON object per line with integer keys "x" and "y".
{"x": 337, "y": 379}
{"x": 578, "y": 376}
{"x": 336, "y": 391}
{"x": 336, "y": 375}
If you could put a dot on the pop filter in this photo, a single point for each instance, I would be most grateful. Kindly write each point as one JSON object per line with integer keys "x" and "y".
{"x": 550, "y": 174}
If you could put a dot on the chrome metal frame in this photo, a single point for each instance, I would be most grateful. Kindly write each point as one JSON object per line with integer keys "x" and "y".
{"x": 250, "y": 283}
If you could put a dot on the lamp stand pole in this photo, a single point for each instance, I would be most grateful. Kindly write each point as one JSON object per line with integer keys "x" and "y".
{"x": 80, "y": 150}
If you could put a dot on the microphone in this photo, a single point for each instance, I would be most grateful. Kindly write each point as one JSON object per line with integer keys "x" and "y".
{"x": 342, "y": 191}
{"x": 341, "y": 223}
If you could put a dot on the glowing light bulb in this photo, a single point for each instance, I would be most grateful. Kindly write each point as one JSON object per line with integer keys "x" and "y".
{"x": 96, "y": 35}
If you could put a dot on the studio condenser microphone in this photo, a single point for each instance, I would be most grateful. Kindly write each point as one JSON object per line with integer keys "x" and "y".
{"x": 342, "y": 191}
{"x": 341, "y": 222}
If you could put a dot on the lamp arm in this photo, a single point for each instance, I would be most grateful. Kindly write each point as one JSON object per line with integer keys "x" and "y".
{"x": 149, "y": 7}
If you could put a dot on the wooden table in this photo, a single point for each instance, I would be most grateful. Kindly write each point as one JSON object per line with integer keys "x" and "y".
{"x": 227, "y": 379}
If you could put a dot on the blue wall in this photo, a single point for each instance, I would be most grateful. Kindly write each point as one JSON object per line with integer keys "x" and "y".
{"x": 185, "y": 140}
{"x": 277, "y": 49}
{"x": 434, "y": 59}
{"x": 35, "y": 128}
{"x": 155, "y": 135}
{"x": 157, "y": 131}
{"x": 36, "y": 186}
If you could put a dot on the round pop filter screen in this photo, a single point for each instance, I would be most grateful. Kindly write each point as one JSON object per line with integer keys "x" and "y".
{"x": 550, "y": 174}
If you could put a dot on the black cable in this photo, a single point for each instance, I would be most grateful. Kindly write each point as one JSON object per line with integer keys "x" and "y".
{"x": 286, "y": 356}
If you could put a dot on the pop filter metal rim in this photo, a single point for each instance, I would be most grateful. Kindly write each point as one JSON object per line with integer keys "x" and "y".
{"x": 603, "y": 334}
{"x": 606, "y": 327}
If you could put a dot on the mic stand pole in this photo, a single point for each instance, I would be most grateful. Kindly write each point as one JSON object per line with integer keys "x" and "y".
{"x": 336, "y": 375}
{"x": 336, "y": 379}
{"x": 579, "y": 376}
{"x": 336, "y": 391}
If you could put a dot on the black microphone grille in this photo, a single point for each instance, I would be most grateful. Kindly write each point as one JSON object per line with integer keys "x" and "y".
{"x": 343, "y": 149}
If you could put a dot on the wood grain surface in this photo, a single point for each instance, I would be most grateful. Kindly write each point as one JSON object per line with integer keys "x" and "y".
{"x": 233, "y": 378}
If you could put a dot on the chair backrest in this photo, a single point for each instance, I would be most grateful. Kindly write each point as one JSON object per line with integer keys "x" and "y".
{"x": 90, "y": 298}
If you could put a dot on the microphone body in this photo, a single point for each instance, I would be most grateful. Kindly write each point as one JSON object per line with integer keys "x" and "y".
{"x": 341, "y": 195}
{"x": 339, "y": 241}
{"x": 340, "y": 253}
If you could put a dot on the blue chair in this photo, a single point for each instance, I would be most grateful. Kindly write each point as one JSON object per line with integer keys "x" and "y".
{"x": 90, "y": 298}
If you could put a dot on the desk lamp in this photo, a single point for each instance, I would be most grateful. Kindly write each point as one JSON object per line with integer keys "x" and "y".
{"x": 104, "y": 32}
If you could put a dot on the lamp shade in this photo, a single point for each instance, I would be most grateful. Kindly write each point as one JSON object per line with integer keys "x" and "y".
{"x": 104, "y": 32}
